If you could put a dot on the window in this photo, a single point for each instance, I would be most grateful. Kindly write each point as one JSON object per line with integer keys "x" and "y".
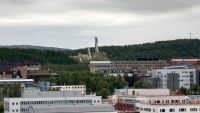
{"x": 171, "y": 110}
{"x": 147, "y": 109}
{"x": 162, "y": 110}
{"x": 182, "y": 109}
{"x": 13, "y": 103}
{"x": 193, "y": 109}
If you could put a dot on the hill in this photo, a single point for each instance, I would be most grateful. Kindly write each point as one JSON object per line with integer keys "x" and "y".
{"x": 34, "y": 47}
{"x": 181, "y": 48}
{"x": 17, "y": 55}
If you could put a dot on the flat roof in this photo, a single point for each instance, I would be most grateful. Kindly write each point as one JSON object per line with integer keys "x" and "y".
{"x": 16, "y": 80}
{"x": 185, "y": 59}
{"x": 74, "y": 108}
{"x": 104, "y": 62}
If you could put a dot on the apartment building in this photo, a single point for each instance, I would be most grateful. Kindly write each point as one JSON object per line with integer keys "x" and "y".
{"x": 175, "y": 78}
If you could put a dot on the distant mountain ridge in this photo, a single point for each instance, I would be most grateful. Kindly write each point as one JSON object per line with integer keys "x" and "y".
{"x": 34, "y": 47}
{"x": 166, "y": 50}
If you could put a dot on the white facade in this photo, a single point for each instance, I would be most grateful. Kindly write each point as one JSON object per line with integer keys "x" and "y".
{"x": 186, "y": 76}
{"x": 16, "y": 80}
{"x": 81, "y": 88}
{"x": 160, "y": 104}
{"x": 142, "y": 92}
{"x": 36, "y": 101}
{"x": 23, "y": 105}
{"x": 167, "y": 104}
{"x": 148, "y": 92}
{"x": 144, "y": 108}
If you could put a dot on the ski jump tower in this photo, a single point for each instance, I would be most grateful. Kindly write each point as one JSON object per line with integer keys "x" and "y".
{"x": 96, "y": 45}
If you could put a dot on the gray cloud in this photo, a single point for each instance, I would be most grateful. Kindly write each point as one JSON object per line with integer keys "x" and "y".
{"x": 20, "y": 7}
{"x": 74, "y": 23}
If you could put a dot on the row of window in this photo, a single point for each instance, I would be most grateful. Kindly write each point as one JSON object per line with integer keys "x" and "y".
{"x": 139, "y": 62}
{"x": 24, "y": 109}
{"x": 180, "y": 110}
{"x": 71, "y": 87}
{"x": 170, "y": 110}
{"x": 167, "y": 101}
{"x": 47, "y": 102}
{"x": 59, "y": 102}
{"x": 21, "y": 110}
{"x": 75, "y": 87}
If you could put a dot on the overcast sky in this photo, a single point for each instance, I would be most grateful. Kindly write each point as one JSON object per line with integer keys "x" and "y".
{"x": 74, "y": 23}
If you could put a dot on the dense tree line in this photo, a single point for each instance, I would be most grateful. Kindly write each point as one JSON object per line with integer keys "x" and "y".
{"x": 10, "y": 91}
{"x": 13, "y": 90}
{"x": 39, "y": 56}
{"x": 1, "y": 107}
{"x": 193, "y": 90}
{"x": 182, "y": 48}
{"x": 102, "y": 85}
{"x": 142, "y": 85}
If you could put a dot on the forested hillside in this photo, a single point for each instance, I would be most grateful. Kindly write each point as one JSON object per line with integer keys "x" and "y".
{"x": 34, "y": 55}
{"x": 182, "y": 48}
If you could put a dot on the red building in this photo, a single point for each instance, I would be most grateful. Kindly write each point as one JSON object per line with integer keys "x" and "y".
{"x": 184, "y": 61}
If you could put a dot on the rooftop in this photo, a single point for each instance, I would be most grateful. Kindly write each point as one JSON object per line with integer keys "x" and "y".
{"x": 16, "y": 80}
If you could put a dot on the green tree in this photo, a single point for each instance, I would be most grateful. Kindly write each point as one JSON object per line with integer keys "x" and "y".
{"x": 142, "y": 84}
{"x": 194, "y": 89}
{"x": 93, "y": 82}
{"x": 183, "y": 90}
{"x": 162, "y": 49}
{"x": 1, "y": 107}
{"x": 104, "y": 93}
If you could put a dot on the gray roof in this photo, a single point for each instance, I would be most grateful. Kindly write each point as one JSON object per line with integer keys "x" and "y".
{"x": 40, "y": 72}
{"x": 73, "y": 108}
{"x": 36, "y": 93}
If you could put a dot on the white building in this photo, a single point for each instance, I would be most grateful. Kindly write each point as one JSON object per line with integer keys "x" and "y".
{"x": 148, "y": 92}
{"x": 125, "y": 95}
{"x": 157, "y": 103}
{"x": 81, "y": 88}
{"x": 49, "y": 102}
{"x": 175, "y": 78}
{"x": 167, "y": 104}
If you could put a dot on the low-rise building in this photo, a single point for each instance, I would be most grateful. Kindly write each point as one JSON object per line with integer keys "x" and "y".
{"x": 158, "y": 102}
{"x": 49, "y": 101}
{"x": 81, "y": 88}
{"x": 184, "y": 61}
{"x": 121, "y": 67}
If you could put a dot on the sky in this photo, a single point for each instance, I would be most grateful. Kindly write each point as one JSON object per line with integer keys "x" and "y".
{"x": 73, "y": 24}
